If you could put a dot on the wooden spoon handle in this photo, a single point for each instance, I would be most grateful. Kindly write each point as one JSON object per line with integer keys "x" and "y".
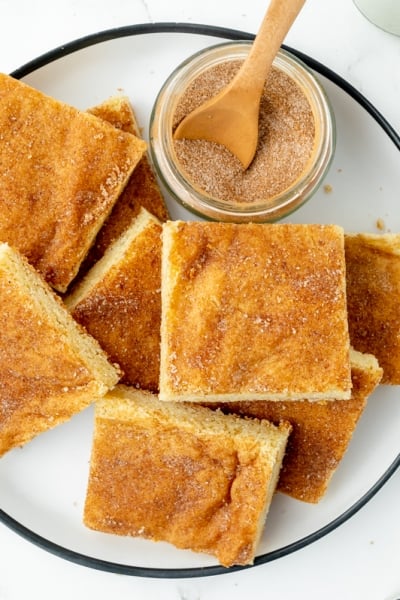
{"x": 274, "y": 27}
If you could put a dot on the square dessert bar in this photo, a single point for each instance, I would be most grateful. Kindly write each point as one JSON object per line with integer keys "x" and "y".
{"x": 119, "y": 302}
{"x": 253, "y": 312}
{"x": 373, "y": 298}
{"x": 142, "y": 189}
{"x": 50, "y": 367}
{"x": 184, "y": 474}
{"x": 62, "y": 171}
{"x": 322, "y": 431}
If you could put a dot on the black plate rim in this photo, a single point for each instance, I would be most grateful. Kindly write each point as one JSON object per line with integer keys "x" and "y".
{"x": 167, "y": 573}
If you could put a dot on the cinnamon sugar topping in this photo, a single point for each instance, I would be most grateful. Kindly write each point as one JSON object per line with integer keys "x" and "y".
{"x": 285, "y": 146}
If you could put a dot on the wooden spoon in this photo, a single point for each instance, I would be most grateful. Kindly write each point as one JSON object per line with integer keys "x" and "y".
{"x": 231, "y": 117}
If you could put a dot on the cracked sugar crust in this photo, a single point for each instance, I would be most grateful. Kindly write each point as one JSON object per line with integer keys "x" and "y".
{"x": 253, "y": 312}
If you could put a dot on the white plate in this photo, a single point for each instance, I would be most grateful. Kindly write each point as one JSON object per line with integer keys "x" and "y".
{"x": 43, "y": 485}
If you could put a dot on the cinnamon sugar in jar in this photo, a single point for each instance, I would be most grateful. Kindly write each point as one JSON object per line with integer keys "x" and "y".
{"x": 295, "y": 146}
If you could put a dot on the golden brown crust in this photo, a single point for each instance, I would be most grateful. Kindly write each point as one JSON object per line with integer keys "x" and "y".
{"x": 142, "y": 190}
{"x": 373, "y": 292}
{"x": 62, "y": 171}
{"x": 118, "y": 111}
{"x": 119, "y": 302}
{"x": 321, "y": 431}
{"x": 253, "y": 312}
{"x": 182, "y": 474}
{"x": 49, "y": 367}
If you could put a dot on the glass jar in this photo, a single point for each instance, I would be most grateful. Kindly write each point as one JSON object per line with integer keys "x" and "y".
{"x": 174, "y": 177}
{"x": 382, "y": 13}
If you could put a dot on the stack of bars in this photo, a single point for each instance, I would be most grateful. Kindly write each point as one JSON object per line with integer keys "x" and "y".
{"x": 226, "y": 361}
{"x": 254, "y": 323}
{"x": 62, "y": 172}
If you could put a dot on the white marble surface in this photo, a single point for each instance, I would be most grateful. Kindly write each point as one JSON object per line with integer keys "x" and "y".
{"x": 361, "y": 559}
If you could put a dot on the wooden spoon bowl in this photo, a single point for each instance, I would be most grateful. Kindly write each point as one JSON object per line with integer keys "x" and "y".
{"x": 231, "y": 117}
